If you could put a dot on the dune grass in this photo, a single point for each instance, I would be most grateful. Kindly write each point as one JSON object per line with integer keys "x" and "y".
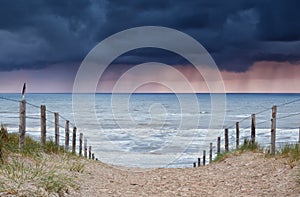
{"x": 36, "y": 170}
{"x": 246, "y": 146}
{"x": 291, "y": 152}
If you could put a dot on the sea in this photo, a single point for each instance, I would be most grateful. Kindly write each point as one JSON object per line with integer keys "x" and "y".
{"x": 157, "y": 130}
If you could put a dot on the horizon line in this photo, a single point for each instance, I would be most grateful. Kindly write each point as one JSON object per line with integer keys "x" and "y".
{"x": 152, "y": 93}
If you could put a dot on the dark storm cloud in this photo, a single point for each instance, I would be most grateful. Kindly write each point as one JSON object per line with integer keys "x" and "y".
{"x": 280, "y": 20}
{"x": 36, "y": 33}
{"x": 237, "y": 33}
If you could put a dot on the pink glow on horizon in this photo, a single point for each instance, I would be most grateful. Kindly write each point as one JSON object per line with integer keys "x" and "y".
{"x": 262, "y": 77}
{"x": 56, "y": 78}
{"x": 265, "y": 77}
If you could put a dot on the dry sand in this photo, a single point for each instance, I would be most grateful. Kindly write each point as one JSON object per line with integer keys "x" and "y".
{"x": 249, "y": 174}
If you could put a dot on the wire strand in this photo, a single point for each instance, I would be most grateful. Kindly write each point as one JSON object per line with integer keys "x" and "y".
{"x": 289, "y": 102}
{"x": 290, "y": 115}
{"x": 9, "y": 99}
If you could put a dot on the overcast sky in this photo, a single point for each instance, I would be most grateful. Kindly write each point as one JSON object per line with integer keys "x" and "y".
{"x": 255, "y": 44}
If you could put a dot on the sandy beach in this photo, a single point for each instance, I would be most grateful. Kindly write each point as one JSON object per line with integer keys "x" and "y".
{"x": 249, "y": 174}
{"x": 240, "y": 174}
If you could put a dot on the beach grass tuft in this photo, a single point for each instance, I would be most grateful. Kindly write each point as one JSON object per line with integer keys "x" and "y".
{"x": 3, "y": 144}
{"x": 246, "y": 146}
{"x": 41, "y": 169}
{"x": 291, "y": 153}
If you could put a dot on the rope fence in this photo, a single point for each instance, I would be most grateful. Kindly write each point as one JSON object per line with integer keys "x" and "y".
{"x": 69, "y": 139}
{"x": 233, "y": 133}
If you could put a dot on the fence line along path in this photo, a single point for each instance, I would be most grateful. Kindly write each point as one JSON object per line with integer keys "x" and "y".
{"x": 43, "y": 129}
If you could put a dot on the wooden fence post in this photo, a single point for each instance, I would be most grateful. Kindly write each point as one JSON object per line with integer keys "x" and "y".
{"x": 210, "y": 152}
{"x": 22, "y": 126}
{"x": 90, "y": 152}
{"x": 204, "y": 155}
{"x": 219, "y": 146}
{"x": 199, "y": 162}
{"x": 237, "y": 129}
{"x": 67, "y": 135}
{"x": 74, "y": 140}
{"x": 80, "y": 144}
{"x": 226, "y": 140}
{"x": 253, "y": 128}
{"x": 299, "y": 138}
{"x": 43, "y": 125}
{"x": 273, "y": 130}
{"x": 56, "y": 119}
{"x": 85, "y": 147}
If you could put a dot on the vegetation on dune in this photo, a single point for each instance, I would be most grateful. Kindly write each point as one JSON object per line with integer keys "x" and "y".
{"x": 3, "y": 144}
{"x": 289, "y": 151}
{"x": 246, "y": 146}
{"x": 42, "y": 169}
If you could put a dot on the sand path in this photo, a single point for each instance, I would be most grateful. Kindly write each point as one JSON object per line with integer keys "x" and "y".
{"x": 249, "y": 174}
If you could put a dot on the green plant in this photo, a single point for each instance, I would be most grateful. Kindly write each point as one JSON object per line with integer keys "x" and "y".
{"x": 50, "y": 147}
{"x": 291, "y": 153}
{"x": 249, "y": 146}
{"x": 246, "y": 146}
{"x": 3, "y": 144}
{"x": 57, "y": 183}
{"x": 33, "y": 167}
{"x": 41, "y": 174}
{"x": 77, "y": 167}
{"x": 220, "y": 157}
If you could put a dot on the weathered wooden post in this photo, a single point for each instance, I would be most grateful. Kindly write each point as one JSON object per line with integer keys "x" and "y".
{"x": 74, "y": 140}
{"x": 22, "y": 126}
{"x": 90, "y": 152}
{"x": 219, "y": 146}
{"x": 299, "y": 138}
{"x": 273, "y": 130}
{"x": 67, "y": 135}
{"x": 80, "y": 144}
{"x": 56, "y": 119}
{"x": 85, "y": 148}
{"x": 253, "y": 128}
{"x": 226, "y": 140}
{"x": 204, "y": 155}
{"x": 194, "y": 164}
{"x": 43, "y": 125}
{"x": 199, "y": 162}
{"x": 210, "y": 152}
{"x": 237, "y": 129}
{"x": 93, "y": 156}
{"x": 299, "y": 141}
